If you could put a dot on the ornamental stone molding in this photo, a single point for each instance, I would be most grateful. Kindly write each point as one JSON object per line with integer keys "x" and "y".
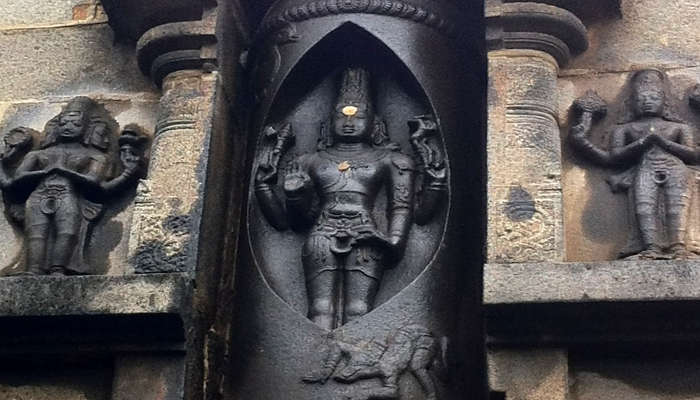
{"x": 170, "y": 35}
{"x": 555, "y": 27}
{"x": 437, "y": 15}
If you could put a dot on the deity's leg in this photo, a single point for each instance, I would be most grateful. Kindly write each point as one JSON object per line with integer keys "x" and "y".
{"x": 67, "y": 221}
{"x": 677, "y": 196}
{"x": 37, "y": 230}
{"x": 323, "y": 275}
{"x": 362, "y": 276}
{"x": 646, "y": 193}
{"x": 322, "y": 293}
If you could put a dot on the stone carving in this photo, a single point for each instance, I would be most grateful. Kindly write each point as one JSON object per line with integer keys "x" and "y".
{"x": 658, "y": 152}
{"x": 56, "y": 191}
{"x": 331, "y": 195}
{"x": 416, "y": 11}
{"x": 411, "y": 348}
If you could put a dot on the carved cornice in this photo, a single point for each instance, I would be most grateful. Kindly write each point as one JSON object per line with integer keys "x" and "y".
{"x": 434, "y": 14}
{"x": 176, "y": 46}
{"x": 171, "y": 35}
{"x": 537, "y": 26}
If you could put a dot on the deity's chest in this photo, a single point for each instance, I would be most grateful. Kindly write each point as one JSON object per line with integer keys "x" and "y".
{"x": 337, "y": 174}
{"x": 661, "y": 128}
{"x": 71, "y": 159}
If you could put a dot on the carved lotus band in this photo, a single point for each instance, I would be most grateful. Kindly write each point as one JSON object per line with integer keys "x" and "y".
{"x": 421, "y": 13}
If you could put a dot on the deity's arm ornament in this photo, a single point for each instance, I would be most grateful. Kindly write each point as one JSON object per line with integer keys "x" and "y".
{"x": 276, "y": 143}
{"x": 433, "y": 189}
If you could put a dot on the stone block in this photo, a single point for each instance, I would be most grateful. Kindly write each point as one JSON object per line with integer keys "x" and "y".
{"x": 16, "y": 13}
{"x": 79, "y": 60}
{"x": 93, "y": 295}
{"x": 536, "y": 374}
{"x": 647, "y": 35}
{"x": 591, "y": 282}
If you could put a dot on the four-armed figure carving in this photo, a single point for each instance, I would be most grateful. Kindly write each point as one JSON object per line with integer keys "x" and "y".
{"x": 333, "y": 192}
{"x": 657, "y": 149}
{"x": 57, "y": 190}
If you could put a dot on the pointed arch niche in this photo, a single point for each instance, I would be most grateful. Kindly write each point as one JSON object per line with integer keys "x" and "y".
{"x": 424, "y": 58}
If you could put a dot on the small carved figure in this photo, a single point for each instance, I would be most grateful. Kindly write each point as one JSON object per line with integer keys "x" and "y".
{"x": 412, "y": 348}
{"x": 333, "y": 193}
{"x": 658, "y": 150}
{"x": 56, "y": 191}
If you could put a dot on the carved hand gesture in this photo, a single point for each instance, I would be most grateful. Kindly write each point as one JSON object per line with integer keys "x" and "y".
{"x": 266, "y": 173}
{"x": 296, "y": 179}
{"x": 422, "y": 129}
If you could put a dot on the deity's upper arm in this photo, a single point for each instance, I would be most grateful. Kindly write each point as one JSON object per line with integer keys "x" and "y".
{"x": 686, "y": 135}
{"x": 28, "y": 163}
{"x": 619, "y": 136}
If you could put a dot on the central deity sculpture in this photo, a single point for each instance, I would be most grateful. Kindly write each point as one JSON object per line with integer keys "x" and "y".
{"x": 333, "y": 192}
{"x": 658, "y": 150}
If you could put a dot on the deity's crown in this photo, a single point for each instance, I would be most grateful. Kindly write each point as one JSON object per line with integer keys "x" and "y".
{"x": 354, "y": 89}
{"x": 81, "y": 104}
{"x": 649, "y": 78}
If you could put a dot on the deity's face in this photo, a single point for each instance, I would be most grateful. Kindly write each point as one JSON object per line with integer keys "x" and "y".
{"x": 351, "y": 123}
{"x": 649, "y": 101}
{"x": 71, "y": 126}
{"x": 100, "y": 136}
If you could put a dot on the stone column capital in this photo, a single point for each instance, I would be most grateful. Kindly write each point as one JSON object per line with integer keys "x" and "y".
{"x": 170, "y": 35}
{"x": 552, "y": 26}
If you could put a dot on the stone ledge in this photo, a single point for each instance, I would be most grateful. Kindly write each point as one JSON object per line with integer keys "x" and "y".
{"x": 591, "y": 282}
{"x": 93, "y": 295}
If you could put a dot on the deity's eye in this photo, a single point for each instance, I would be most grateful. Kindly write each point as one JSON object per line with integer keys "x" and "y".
{"x": 349, "y": 111}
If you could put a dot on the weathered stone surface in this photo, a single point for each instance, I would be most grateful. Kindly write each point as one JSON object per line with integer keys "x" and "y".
{"x": 635, "y": 377}
{"x": 93, "y": 295}
{"x": 148, "y": 377}
{"x": 524, "y": 159}
{"x": 529, "y": 374}
{"x": 68, "y": 61}
{"x": 53, "y": 379}
{"x": 649, "y": 34}
{"x": 585, "y": 282}
{"x": 18, "y": 13}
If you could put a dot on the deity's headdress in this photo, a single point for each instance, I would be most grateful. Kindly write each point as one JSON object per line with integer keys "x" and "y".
{"x": 355, "y": 89}
{"x": 94, "y": 117}
{"x": 649, "y": 79}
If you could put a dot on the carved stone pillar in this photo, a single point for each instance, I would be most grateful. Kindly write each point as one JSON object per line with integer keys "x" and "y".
{"x": 358, "y": 256}
{"x": 180, "y": 57}
{"x": 176, "y": 227}
{"x": 528, "y": 43}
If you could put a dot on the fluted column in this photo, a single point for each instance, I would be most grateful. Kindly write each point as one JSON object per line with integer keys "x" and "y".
{"x": 180, "y": 56}
{"x": 528, "y": 43}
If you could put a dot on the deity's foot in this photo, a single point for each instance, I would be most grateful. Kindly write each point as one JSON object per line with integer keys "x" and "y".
{"x": 680, "y": 252}
{"x": 57, "y": 271}
{"x": 652, "y": 253}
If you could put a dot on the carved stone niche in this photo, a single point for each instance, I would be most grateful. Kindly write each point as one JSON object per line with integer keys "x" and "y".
{"x": 358, "y": 264}
{"x": 61, "y": 187}
{"x": 643, "y": 154}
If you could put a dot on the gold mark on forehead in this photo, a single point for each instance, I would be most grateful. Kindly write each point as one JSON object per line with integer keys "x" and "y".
{"x": 349, "y": 111}
{"x": 343, "y": 166}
